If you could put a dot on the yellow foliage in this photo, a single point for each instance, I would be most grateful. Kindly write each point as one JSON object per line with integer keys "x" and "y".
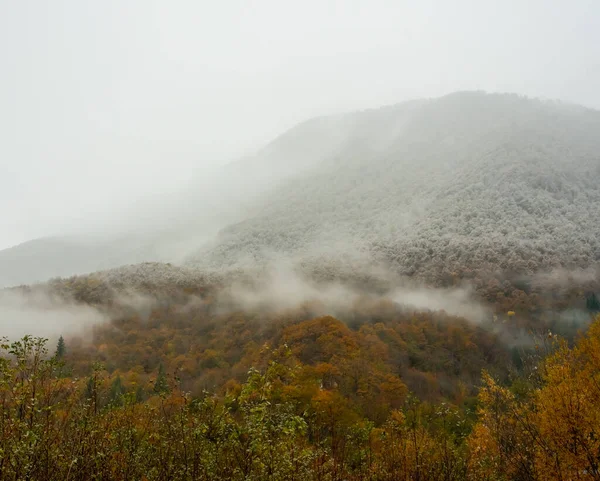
{"x": 554, "y": 435}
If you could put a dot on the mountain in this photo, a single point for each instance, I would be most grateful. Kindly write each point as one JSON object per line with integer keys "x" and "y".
{"x": 168, "y": 227}
{"x": 41, "y": 259}
{"x": 466, "y": 181}
{"x": 431, "y": 187}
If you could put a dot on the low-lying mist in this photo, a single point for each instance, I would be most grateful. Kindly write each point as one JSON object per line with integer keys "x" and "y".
{"x": 281, "y": 286}
{"x": 40, "y": 313}
{"x": 50, "y": 310}
{"x": 71, "y": 307}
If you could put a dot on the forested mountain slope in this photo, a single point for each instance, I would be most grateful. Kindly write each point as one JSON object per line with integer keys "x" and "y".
{"x": 167, "y": 227}
{"x": 429, "y": 188}
{"x": 467, "y": 181}
{"x": 173, "y": 384}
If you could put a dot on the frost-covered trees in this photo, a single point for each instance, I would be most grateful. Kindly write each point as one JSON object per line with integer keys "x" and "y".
{"x": 494, "y": 182}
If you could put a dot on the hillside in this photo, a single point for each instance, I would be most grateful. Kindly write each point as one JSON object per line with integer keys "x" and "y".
{"x": 168, "y": 227}
{"x": 467, "y": 181}
{"x": 173, "y": 383}
{"x": 433, "y": 189}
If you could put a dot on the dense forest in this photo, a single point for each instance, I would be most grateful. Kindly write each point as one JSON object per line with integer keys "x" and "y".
{"x": 182, "y": 383}
{"x": 475, "y": 181}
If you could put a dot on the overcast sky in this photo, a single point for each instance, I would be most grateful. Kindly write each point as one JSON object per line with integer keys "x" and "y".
{"x": 102, "y": 102}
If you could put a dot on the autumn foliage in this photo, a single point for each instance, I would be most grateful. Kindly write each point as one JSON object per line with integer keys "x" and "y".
{"x": 184, "y": 392}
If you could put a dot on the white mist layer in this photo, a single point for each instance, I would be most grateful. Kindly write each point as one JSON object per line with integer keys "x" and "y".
{"x": 281, "y": 287}
{"x": 42, "y": 315}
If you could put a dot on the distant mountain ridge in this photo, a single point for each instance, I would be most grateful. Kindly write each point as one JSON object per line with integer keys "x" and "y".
{"x": 427, "y": 187}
